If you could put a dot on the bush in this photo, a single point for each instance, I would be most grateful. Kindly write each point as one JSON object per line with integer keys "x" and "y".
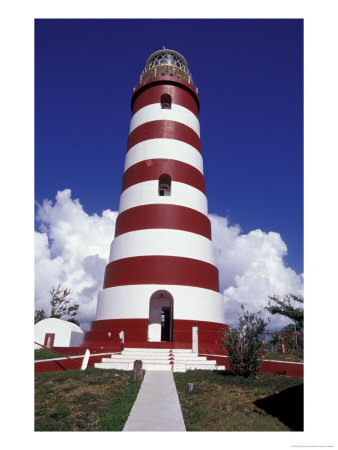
{"x": 245, "y": 344}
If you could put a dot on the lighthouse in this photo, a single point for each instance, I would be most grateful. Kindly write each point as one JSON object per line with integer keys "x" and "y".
{"x": 161, "y": 283}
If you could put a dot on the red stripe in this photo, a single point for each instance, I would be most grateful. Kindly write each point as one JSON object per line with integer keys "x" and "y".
{"x": 168, "y": 129}
{"x": 151, "y": 169}
{"x": 172, "y": 217}
{"x": 157, "y": 269}
{"x": 150, "y": 92}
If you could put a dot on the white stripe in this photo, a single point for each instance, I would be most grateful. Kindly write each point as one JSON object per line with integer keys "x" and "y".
{"x": 162, "y": 242}
{"x": 155, "y": 112}
{"x": 164, "y": 148}
{"x": 146, "y": 193}
{"x": 132, "y": 302}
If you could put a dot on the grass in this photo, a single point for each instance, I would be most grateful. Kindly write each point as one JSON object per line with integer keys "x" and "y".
{"x": 290, "y": 356}
{"x": 43, "y": 353}
{"x": 222, "y": 402}
{"x": 91, "y": 400}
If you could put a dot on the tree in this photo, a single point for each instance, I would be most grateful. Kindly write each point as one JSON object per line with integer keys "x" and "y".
{"x": 60, "y": 303}
{"x": 61, "y": 306}
{"x": 245, "y": 344}
{"x": 73, "y": 321}
{"x": 39, "y": 315}
{"x": 284, "y": 307}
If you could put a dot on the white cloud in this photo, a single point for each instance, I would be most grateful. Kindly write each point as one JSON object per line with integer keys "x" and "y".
{"x": 72, "y": 248}
{"x": 251, "y": 269}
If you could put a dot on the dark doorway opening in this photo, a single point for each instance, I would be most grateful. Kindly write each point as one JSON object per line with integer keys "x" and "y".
{"x": 166, "y": 329}
{"x": 161, "y": 317}
{"x": 165, "y": 101}
{"x": 164, "y": 185}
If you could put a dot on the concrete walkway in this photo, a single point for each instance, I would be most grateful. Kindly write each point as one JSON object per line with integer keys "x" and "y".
{"x": 157, "y": 407}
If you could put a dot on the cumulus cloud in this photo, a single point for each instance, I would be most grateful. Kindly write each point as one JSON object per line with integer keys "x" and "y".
{"x": 72, "y": 248}
{"x": 252, "y": 268}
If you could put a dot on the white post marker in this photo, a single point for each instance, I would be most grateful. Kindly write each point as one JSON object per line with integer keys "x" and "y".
{"x": 85, "y": 360}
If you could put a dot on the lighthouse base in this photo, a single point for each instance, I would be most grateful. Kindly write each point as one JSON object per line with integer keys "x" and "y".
{"x": 106, "y": 333}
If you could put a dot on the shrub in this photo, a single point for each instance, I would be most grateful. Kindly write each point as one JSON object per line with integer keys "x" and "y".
{"x": 245, "y": 344}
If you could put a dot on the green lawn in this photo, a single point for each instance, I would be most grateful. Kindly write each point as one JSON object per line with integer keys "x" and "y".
{"x": 43, "y": 353}
{"x": 90, "y": 400}
{"x": 222, "y": 402}
{"x": 101, "y": 400}
{"x": 295, "y": 356}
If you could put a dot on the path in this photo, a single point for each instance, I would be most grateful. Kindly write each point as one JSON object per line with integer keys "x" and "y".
{"x": 157, "y": 407}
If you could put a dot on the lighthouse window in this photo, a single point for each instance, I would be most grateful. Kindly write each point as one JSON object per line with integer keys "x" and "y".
{"x": 164, "y": 185}
{"x": 165, "y": 101}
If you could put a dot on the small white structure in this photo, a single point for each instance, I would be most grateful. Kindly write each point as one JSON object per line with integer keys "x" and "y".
{"x": 57, "y": 333}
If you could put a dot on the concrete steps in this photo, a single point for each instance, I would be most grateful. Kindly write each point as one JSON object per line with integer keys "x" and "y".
{"x": 176, "y": 360}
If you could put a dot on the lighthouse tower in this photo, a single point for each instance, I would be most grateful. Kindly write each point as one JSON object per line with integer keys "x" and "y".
{"x": 161, "y": 280}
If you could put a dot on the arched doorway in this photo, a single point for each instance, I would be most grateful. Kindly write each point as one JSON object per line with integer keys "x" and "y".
{"x": 161, "y": 313}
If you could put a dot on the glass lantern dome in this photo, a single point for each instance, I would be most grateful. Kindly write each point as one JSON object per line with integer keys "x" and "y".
{"x": 168, "y": 58}
{"x": 166, "y": 62}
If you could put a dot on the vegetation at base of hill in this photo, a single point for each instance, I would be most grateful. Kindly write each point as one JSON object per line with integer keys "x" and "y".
{"x": 221, "y": 401}
{"x": 90, "y": 400}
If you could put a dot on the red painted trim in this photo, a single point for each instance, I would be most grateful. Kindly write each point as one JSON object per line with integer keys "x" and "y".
{"x": 54, "y": 350}
{"x": 271, "y": 367}
{"x": 58, "y": 365}
{"x": 73, "y": 351}
{"x": 282, "y": 368}
{"x": 70, "y": 351}
{"x": 50, "y": 336}
{"x": 151, "y": 169}
{"x": 167, "y": 129}
{"x": 98, "y": 335}
{"x": 150, "y": 91}
{"x": 136, "y": 332}
{"x": 285, "y": 368}
{"x": 163, "y": 216}
{"x": 156, "y": 269}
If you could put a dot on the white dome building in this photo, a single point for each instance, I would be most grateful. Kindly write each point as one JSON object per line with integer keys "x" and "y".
{"x": 57, "y": 333}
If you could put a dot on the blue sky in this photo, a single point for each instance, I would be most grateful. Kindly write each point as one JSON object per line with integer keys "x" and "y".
{"x": 250, "y": 79}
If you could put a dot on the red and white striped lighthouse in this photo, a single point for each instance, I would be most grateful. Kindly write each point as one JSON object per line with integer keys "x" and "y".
{"x": 161, "y": 280}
